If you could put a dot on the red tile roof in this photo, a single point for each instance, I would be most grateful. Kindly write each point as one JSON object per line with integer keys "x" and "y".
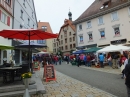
{"x": 67, "y": 23}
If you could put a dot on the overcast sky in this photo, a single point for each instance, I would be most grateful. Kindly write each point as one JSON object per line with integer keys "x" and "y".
{"x": 56, "y": 11}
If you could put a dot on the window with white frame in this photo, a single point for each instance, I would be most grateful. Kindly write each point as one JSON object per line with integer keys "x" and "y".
{"x": 114, "y": 16}
{"x": 21, "y": 26}
{"x": 100, "y": 20}
{"x": 80, "y": 27}
{"x": 80, "y": 38}
{"x": 102, "y": 33}
{"x": 21, "y": 14}
{"x": 90, "y": 36}
{"x": 3, "y": 18}
{"x": 24, "y": 1}
{"x": 117, "y": 31}
{"x": 89, "y": 24}
{"x": 28, "y": 22}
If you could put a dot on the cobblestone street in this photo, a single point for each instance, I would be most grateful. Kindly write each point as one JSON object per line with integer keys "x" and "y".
{"x": 66, "y": 86}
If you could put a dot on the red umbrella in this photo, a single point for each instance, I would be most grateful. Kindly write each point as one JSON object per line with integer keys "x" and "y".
{"x": 27, "y": 34}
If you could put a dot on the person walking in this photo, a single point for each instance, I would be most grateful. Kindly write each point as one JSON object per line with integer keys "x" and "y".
{"x": 101, "y": 59}
{"x": 127, "y": 78}
{"x": 60, "y": 59}
{"x": 85, "y": 60}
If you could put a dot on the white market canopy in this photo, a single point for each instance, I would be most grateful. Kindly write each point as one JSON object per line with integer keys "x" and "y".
{"x": 113, "y": 48}
{"x": 43, "y": 52}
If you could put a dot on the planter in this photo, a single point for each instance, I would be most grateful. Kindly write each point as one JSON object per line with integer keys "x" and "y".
{"x": 26, "y": 82}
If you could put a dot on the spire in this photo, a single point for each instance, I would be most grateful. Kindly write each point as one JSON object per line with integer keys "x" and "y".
{"x": 70, "y": 15}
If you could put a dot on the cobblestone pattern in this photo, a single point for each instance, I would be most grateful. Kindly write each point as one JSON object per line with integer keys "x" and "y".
{"x": 66, "y": 86}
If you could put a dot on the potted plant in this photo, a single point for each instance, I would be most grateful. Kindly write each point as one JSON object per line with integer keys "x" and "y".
{"x": 26, "y": 79}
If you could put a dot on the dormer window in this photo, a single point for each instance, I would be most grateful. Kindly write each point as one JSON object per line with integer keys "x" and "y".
{"x": 105, "y": 4}
{"x": 44, "y": 28}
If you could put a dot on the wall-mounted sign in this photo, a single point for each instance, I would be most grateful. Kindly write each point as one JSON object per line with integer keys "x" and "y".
{"x": 121, "y": 41}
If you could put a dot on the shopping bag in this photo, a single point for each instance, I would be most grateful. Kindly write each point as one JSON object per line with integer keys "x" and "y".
{"x": 122, "y": 67}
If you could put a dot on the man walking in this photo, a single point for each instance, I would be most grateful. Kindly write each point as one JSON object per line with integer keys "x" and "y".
{"x": 101, "y": 59}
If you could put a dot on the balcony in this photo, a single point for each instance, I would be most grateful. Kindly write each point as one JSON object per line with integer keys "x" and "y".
{"x": 6, "y": 7}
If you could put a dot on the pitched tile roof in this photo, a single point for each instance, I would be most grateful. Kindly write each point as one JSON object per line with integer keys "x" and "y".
{"x": 95, "y": 7}
{"x": 40, "y": 24}
{"x": 67, "y": 23}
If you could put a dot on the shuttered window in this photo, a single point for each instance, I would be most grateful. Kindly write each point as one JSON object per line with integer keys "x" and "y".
{"x": 8, "y": 21}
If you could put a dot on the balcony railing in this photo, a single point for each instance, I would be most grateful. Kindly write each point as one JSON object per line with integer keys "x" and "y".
{"x": 6, "y": 6}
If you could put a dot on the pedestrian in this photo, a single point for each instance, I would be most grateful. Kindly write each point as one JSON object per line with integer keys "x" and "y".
{"x": 85, "y": 60}
{"x": 60, "y": 59}
{"x": 127, "y": 78}
{"x": 101, "y": 59}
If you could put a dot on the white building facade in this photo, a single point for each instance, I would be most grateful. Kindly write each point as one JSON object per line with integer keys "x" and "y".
{"x": 109, "y": 25}
{"x": 24, "y": 18}
{"x": 6, "y": 17}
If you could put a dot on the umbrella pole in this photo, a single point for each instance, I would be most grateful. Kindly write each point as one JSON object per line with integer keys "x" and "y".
{"x": 29, "y": 50}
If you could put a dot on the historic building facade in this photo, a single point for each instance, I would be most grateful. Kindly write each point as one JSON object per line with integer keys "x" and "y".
{"x": 6, "y": 17}
{"x": 105, "y": 22}
{"x": 65, "y": 42}
{"x": 45, "y": 26}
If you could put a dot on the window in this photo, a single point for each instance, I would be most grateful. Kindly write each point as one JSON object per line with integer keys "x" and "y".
{"x": 80, "y": 27}
{"x": 28, "y": 22}
{"x": 70, "y": 46}
{"x": 24, "y": 1}
{"x": 70, "y": 33}
{"x": 100, "y": 20}
{"x": 114, "y": 16}
{"x": 61, "y": 41}
{"x": 8, "y": 2}
{"x": 32, "y": 15}
{"x": 70, "y": 40}
{"x": 102, "y": 33}
{"x": 73, "y": 38}
{"x": 44, "y": 28}
{"x": 21, "y": 27}
{"x": 66, "y": 47}
{"x": 41, "y": 41}
{"x": 62, "y": 47}
{"x": 21, "y": 14}
{"x": 65, "y": 40}
{"x": 89, "y": 24}
{"x": 57, "y": 43}
{"x": 73, "y": 45}
{"x": 61, "y": 36}
{"x": 65, "y": 34}
{"x": 90, "y": 36}
{"x": 81, "y": 38}
{"x": 33, "y": 26}
{"x": 3, "y": 18}
{"x": 129, "y": 10}
{"x": 117, "y": 31}
{"x": 54, "y": 40}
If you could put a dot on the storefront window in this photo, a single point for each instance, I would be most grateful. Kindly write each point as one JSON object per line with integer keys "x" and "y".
{"x": 24, "y": 56}
{"x": 4, "y": 56}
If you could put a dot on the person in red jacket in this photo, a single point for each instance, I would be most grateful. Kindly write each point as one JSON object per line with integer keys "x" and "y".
{"x": 88, "y": 60}
{"x": 56, "y": 59}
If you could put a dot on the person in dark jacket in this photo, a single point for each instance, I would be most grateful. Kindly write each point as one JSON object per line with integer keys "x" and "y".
{"x": 127, "y": 80}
